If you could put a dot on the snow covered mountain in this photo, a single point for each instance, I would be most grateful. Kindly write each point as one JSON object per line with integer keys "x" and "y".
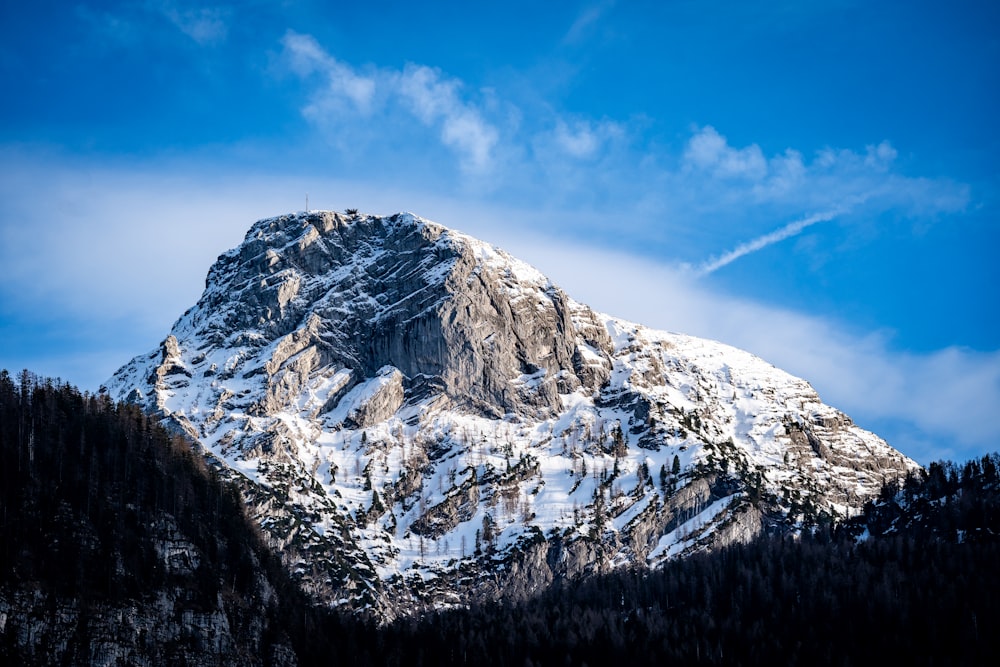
{"x": 417, "y": 418}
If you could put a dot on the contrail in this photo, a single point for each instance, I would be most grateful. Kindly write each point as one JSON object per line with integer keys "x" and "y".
{"x": 791, "y": 229}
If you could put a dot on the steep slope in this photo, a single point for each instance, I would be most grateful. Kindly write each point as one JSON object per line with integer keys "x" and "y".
{"x": 920, "y": 589}
{"x": 948, "y": 502}
{"x": 117, "y": 545}
{"x": 418, "y": 418}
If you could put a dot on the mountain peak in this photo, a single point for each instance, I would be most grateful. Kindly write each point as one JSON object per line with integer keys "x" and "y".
{"x": 366, "y": 292}
{"x": 410, "y": 408}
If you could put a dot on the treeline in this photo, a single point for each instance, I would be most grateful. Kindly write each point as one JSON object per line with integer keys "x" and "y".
{"x": 914, "y": 580}
{"x": 89, "y": 489}
{"x": 810, "y": 602}
{"x": 102, "y": 511}
{"x": 957, "y": 503}
{"x": 85, "y": 482}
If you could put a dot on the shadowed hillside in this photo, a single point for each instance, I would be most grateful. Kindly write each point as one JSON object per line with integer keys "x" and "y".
{"x": 119, "y": 546}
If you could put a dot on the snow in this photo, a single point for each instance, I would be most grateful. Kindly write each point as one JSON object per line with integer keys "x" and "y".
{"x": 702, "y": 395}
{"x": 689, "y": 532}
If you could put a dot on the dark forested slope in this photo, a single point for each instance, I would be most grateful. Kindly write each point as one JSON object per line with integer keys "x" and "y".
{"x": 118, "y": 545}
{"x": 914, "y": 580}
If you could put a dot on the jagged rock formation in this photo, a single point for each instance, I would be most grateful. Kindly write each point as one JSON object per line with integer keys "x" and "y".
{"x": 418, "y": 418}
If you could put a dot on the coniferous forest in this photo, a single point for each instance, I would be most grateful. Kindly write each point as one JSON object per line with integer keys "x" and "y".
{"x": 121, "y": 546}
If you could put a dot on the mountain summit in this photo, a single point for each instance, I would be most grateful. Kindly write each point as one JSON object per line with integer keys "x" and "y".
{"x": 418, "y": 419}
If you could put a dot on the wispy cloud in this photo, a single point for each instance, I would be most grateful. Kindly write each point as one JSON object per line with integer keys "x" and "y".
{"x": 423, "y": 92}
{"x": 761, "y": 242}
{"x": 585, "y": 21}
{"x": 745, "y": 175}
{"x": 568, "y": 159}
{"x": 709, "y": 151}
{"x": 305, "y": 57}
{"x": 581, "y": 138}
{"x": 722, "y": 180}
{"x": 436, "y": 101}
{"x": 127, "y": 219}
{"x": 129, "y": 23}
{"x": 205, "y": 25}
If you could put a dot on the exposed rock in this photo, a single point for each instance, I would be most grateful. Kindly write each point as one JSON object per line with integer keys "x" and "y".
{"x": 48, "y": 629}
{"x": 385, "y": 399}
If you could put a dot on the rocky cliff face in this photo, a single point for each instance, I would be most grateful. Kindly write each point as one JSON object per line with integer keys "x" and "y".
{"x": 417, "y": 418}
{"x": 173, "y": 628}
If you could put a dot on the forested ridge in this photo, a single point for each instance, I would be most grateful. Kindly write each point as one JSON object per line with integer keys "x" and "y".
{"x": 106, "y": 515}
{"x": 112, "y": 527}
{"x": 818, "y": 600}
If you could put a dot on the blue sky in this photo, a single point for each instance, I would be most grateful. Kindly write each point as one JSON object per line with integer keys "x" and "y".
{"x": 815, "y": 182}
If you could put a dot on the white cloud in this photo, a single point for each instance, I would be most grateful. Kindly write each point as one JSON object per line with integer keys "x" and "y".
{"x": 715, "y": 171}
{"x": 205, "y": 25}
{"x": 745, "y": 188}
{"x": 881, "y": 156}
{"x": 122, "y": 242}
{"x": 761, "y": 242}
{"x": 306, "y": 57}
{"x": 435, "y": 100}
{"x": 586, "y": 20}
{"x": 708, "y": 150}
{"x": 431, "y": 98}
{"x": 582, "y": 139}
{"x": 563, "y": 159}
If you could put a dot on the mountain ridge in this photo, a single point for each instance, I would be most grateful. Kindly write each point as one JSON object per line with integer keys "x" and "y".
{"x": 417, "y": 417}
